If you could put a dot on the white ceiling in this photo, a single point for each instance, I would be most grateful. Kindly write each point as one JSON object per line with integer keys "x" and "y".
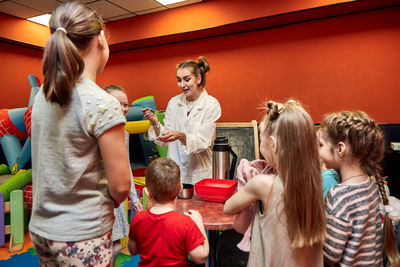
{"x": 110, "y": 10}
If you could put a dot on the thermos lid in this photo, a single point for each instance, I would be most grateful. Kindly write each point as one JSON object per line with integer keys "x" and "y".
{"x": 220, "y": 140}
{"x": 221, "y": 144}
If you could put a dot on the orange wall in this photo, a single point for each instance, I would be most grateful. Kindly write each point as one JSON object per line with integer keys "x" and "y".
{"x": 346, "y": 62}
{"x": 23, "y": 31}
{"x": 204, "y": 16}
{"x": 185, "y": 19}
{"x": 17, "y": 62}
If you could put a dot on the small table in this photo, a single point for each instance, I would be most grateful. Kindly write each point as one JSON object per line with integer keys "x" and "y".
{"x": 214, "y": 219}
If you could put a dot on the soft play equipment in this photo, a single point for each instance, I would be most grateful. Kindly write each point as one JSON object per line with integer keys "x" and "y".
{"x": 137, "y": 122}
{"x": 13, "y": 211}
{"x": 13, "y": 221}
{"x": 28, "y": 197}
{"x": 4, "y": 169}
{"x": 15, "y": 128}
{"x": 17, "y": 181}
{"x": 12, "y": 131}
{"x": 137, "y": 127}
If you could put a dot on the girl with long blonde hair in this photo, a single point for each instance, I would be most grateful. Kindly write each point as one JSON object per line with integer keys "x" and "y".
{"x": 289, "y": 222}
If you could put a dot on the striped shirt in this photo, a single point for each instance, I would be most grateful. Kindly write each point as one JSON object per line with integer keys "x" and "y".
{"x": 354, "y": 225}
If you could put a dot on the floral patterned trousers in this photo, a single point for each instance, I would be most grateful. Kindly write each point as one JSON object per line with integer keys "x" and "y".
{"x": 91, "y": 252}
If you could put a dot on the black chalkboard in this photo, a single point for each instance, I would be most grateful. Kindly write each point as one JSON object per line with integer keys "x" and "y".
{"x": 242, "y": 137}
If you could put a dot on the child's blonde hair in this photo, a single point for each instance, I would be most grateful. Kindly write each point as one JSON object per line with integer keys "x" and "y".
{"x": 367, "y": 143}
{"x": 112, "y": 87}
{"x": 163, "y": 179}
{"x": 299, "y": 169}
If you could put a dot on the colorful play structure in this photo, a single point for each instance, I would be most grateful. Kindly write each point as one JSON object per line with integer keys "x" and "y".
{"x": 13, "y": 211}
{"x": 16, "y": 145}
{"x": 16, "y": 182}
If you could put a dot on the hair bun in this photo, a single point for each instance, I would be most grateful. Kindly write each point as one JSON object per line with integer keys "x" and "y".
{"x": 272, "y": 110}
{"x": 203, "y": 64}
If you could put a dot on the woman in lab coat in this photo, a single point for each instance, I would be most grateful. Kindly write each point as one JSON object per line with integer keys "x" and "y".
{"x": 189, "y": 123}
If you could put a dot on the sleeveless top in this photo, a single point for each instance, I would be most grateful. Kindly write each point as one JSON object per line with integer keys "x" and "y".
{"x": 270, "y": 243}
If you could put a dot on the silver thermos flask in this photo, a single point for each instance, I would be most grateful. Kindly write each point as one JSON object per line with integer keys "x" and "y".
{"x": 222, "y": 167}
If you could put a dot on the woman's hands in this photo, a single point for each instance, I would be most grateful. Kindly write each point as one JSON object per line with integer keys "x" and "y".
{"x": 167, "y": 136}
{"x": 149, "y": 114}
{"x": 172, "y": 135}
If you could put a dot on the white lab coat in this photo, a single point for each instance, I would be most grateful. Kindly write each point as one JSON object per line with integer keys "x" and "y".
{"x": 194, "y": 158}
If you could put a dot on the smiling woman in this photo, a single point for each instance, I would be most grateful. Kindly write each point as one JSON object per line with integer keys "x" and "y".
{"x": 189, "y": 124}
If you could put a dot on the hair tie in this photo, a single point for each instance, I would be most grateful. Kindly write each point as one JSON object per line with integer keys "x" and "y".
{"x": 201, "y": 66}
{"x": 61, "y": 29}
{"x": 393, "y": 209}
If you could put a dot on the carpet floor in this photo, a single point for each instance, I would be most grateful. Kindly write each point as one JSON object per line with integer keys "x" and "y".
{"x": 228, "y": 254}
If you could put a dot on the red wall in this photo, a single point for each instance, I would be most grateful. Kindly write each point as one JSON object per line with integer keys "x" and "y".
{"x": 17, "y": 62}
{"x": 207, "y": 15}
{"x": 345, "y": 62}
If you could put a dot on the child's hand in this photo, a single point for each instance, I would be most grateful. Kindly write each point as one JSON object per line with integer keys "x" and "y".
{"x": 195, "y": 215}
{"x": 198, "y": 220}
{"x": 137, "y": 206}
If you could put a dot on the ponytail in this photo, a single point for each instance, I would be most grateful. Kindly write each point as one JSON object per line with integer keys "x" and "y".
{"x": 72, "y": 25}
{"x": 62, "y": 67}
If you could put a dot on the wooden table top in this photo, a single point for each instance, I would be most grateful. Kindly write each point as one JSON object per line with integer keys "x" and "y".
{"x": 213, "y": 215}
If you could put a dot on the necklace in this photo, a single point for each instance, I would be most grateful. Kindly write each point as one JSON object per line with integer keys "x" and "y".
{"x": 190, "y": 105}
{"x": 354, "y": 176}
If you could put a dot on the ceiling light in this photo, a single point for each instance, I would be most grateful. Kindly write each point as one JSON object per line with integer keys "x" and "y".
{"x": 168, "y": 2}
{"x": 42, "y": 19}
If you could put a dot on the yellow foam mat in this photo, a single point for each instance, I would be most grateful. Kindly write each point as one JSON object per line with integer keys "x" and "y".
{"x": 139, "y": 180}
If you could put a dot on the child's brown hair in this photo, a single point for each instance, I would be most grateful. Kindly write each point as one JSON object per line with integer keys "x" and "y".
{"x": 73, "y": 25}
{"x": 163, "y": 179}
{"x": 299, "y": 169}
{"x": 368, "y": 144}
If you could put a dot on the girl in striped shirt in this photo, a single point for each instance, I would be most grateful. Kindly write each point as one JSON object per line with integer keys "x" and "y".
{"x": 353, "y": 144}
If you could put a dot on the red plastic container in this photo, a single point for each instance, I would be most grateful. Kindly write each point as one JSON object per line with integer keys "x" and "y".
{"x": 218, "y": 190}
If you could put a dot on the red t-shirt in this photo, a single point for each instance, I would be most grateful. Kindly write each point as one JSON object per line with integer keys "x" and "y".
{"x": 164, "y": 239}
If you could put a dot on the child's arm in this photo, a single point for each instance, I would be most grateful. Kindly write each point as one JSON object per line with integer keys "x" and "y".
{"x": 132, "y": 247}
{"x": 137, "y": 205}
{"x": 116, "y": 163}
{"x": 338, "y": 232}
{"x": 199, "y": 255}
{"x": 257, "y": 188}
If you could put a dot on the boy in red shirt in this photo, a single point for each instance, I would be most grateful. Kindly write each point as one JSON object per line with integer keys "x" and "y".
{"x": 162, "y": 236}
